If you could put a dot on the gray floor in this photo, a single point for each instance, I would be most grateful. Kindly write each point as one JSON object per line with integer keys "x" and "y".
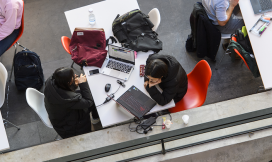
{"x": 45, "y": 23}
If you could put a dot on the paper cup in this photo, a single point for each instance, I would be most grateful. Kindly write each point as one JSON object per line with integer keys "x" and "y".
{"x": 168, "y": 124}
{"x": 185, "y": 119}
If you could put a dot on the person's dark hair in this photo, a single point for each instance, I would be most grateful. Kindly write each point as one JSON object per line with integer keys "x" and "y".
{"x": 156, "y": 68}
{"x": 63, "y": 78}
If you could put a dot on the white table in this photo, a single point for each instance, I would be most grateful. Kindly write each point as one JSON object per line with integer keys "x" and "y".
{"x": 105, "y": 12}
{"x": 261, "y": 45}
{"x": 4, "y": 145}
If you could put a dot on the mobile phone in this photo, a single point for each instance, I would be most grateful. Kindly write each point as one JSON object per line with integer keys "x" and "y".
{"x": 142, "y": 70}
{"x": 95, "y": 71}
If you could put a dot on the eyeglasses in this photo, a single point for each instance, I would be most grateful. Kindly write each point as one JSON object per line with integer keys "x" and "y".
{"x": 1, "y": 15}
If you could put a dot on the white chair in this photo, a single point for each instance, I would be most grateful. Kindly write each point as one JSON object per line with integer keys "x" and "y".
{"x": 35, "y": 100}
{"x": 3, "y": 80}
{"x": 225, "y": 36}
{"x": 155, "y": 18}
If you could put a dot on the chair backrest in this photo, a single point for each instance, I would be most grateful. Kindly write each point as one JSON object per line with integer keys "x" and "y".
{"x": 21, "y": 29}
{"x": 35, "y": 100}
{"x": 65, "y": 41}
{"x": 238, "y": 53}
{"x": 3, "y": 80}
{"x": 155, "y": 18}
{"x": 200, "y": 77}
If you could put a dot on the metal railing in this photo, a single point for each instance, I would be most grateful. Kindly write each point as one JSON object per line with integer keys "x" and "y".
{"x": 165, "y": 137}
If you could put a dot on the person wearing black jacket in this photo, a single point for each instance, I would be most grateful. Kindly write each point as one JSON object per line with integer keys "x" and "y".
{"x": 68, "y": 109}
{"x": 165, "y": 71}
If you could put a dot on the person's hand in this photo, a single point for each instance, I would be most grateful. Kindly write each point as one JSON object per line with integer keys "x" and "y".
{"x": 233, "y": 3}
{"x": 82, "y": 79}
{"x": 151, "y": 84}
{"x": 145, "y": 83}
{"x": 76, "y": 79}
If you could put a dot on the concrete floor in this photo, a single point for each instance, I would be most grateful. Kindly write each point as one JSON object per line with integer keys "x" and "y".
{"x": 45, "y": 23}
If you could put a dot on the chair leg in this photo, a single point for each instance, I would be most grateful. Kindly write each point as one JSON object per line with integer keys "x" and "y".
{"x": 72, "y": 64}
{"x": 216, "y": 67}
{"x": 242, "y": 63}
{"x": 13, "y": 62}
{"x": 11, "y": 124}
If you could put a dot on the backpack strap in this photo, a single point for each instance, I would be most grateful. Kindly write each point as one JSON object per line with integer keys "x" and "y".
{"x": 113, "y": 40}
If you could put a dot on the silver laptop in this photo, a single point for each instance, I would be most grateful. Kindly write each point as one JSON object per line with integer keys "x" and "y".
{"x": 120, "y": 64}
{"x": 261, "y": 6}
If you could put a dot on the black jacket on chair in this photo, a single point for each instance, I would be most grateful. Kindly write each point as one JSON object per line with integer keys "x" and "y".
{"x": 205, "y": 35}
{"x": 69, "y": 112}
{"x": 174, "y": 85}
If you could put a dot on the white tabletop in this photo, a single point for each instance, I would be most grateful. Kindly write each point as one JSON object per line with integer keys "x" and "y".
{"x": 261, "y": 45}
{"x": 4, "y": 145}
{"x": 105, "y": 12}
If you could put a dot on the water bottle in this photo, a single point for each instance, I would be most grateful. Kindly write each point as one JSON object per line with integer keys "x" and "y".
{"x": 91, "y": 17}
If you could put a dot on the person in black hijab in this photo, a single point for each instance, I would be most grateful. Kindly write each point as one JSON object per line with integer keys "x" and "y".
{"x": 166, "y": 72}
{"x": 69, "y": 109}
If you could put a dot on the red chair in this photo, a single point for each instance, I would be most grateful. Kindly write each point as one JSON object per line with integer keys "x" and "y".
{"x": 238, "y": 53}
{"x": 65, "y": 41}
{"x": 198, "y": 82}
{"x": 21, "y": 30}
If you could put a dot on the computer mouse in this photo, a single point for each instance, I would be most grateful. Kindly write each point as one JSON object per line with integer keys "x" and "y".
{"x": 107, "y": 87}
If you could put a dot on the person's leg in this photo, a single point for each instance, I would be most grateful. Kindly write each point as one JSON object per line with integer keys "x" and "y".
{"x": 7, "y": 42}
{"x": 94, "y": 112}
{"x": 234, "y": 23}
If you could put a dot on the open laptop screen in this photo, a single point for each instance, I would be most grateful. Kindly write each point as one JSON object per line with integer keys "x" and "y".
{"x": 121, "y": 53}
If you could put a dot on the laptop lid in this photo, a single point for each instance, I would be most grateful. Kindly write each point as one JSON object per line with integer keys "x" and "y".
{"x": 257, "y": 7}
{"x": 136, "y": 102}
{"x": 121, "y": 54}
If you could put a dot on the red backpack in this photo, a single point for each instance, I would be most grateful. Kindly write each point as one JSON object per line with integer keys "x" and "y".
{"x": 88, "y": 46}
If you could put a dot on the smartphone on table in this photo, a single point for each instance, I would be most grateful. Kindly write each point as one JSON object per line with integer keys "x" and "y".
{"x": 95, "y": 71}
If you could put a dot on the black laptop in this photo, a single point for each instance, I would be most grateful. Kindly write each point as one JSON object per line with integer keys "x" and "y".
{"x": 261, "y": 6}
{"x": 135, "y": 102}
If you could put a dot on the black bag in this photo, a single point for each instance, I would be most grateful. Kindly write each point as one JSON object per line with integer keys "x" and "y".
{"x": 243, "y": 41}
{"x": 189, "y": 45}
{"x": 134, "y": 31}
{"x": 28, "y": 71}
{"x": 249, "y": 58}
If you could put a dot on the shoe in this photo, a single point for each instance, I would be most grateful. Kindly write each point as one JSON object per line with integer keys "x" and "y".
{"x": 94, "y": 120}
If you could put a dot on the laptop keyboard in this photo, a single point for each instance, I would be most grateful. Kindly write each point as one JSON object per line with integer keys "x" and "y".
{"x": 265, "y": 4}
{"x": 119, "y": 66}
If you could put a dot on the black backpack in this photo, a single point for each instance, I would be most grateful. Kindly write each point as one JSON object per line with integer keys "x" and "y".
{"x": 243, "y": 41}
{"x": 134, "y": 31}
{"x": 28, "y": 71}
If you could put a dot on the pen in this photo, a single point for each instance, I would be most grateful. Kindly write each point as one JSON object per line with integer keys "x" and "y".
{"x": 262, "y": 30}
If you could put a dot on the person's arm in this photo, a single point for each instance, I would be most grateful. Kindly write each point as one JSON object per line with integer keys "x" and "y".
{"x": 162, "y": 98}
{"x": 147, "y": 62}
{"x": 8, "y": 27}
{"x": 222, "y": 20}
{"x": 86, "y": 100}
